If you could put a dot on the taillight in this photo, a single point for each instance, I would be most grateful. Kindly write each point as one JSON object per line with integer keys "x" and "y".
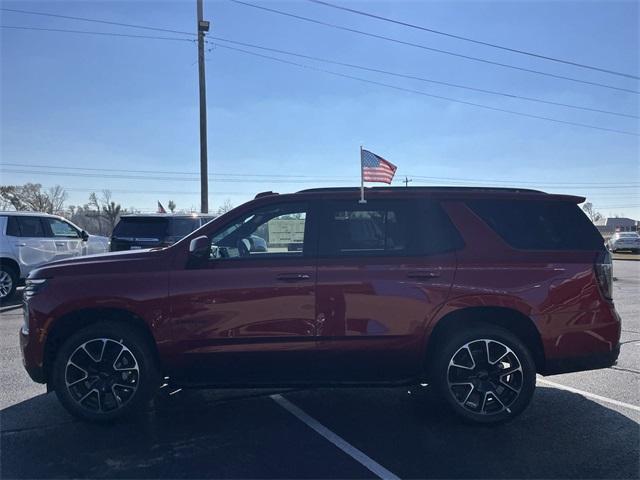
{"x": 604, "y": 273}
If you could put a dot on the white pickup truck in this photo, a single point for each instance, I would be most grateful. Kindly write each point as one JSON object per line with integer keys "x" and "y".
{"x": 28, "y": 240}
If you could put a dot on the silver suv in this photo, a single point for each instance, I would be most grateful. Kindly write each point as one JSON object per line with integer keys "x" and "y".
{"x": 29, "y": 240}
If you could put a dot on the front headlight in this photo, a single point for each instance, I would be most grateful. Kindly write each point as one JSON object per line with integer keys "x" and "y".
{"x": 33, "y": 286}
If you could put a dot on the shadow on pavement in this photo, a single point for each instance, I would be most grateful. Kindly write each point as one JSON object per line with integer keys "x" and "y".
{"x": 12, "y": 303}
{"x": 236, "y": 434}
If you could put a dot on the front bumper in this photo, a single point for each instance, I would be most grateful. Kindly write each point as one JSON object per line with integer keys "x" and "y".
{"x": 32, "y": 366}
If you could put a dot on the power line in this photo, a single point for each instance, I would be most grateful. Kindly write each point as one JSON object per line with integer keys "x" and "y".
{"x": 95, "y": 20}
{"x": 107, "y": 34}
{"x": 525, "y": 182}
{"x": 370, "y": 81}
{"x": 568, "y": 186}
{"x": 339, "y": 27}
{"x": 423, "y": 79}
{"x": 334, "y": 177}
{"x": 360, "y": 67}
{"x": 418, "y": 92}
{"x": 173, "y": 172}
{"x": 467, "y": 39}
{"x": 138, "y": 192}
{"x": 168, "y": 179}
{"x": 424, "y": 47}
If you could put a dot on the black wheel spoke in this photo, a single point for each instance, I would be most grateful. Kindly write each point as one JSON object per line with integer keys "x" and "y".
{"x": 485, "y": 376}
{"x": 102, "y": 375}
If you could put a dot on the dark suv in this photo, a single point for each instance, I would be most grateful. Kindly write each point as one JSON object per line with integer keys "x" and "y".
{"x": 471, "y": 290}
{"x": 134, "y": 232}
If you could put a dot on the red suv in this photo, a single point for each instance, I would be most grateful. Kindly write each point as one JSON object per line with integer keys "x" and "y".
{"x": 473, "y": 290}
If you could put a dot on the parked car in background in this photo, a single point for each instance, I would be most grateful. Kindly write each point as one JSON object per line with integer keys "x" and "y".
{"x": 134, "y": 232}
{"x": 624, "y": 241}
{"x": 471, "y": 290}
{"x": 29, "y": 240}
{"x": 137, "y": 231}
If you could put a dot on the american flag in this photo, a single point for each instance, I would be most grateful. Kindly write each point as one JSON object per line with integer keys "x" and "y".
{"x": 376, "y": 168}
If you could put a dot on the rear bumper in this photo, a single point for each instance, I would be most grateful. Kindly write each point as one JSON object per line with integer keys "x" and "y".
{"x": 578, "y": 364}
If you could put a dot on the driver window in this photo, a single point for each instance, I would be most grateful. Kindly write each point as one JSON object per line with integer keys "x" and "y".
{"x": 273, "y": 231}
{"x": 61, "y": 229}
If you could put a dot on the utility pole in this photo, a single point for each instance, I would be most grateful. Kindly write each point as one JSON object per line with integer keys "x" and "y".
{"x": 406, "y": 181}
{"x": 203, "y": 27}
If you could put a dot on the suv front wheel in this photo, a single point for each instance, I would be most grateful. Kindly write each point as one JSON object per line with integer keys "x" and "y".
{"x": 485, "y": 374}
{"x": 105, "y": 371}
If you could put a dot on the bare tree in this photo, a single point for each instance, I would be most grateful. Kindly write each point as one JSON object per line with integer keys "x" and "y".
{"x": 171, "y": 205}
{"x": 31, "y": 197}
{"x": 110, "y": 209}
{"x": 591, "y": 212}
{"x": 95, "y": 213}
{"x": 56, "y": 197}
{"x": 225, "y": 207}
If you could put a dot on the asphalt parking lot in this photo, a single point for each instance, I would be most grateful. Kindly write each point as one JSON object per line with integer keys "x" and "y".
{"x": 582, "y": 425}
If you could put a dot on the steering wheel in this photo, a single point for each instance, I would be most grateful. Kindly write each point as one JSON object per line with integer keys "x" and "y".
{"x": 244, "y": 247}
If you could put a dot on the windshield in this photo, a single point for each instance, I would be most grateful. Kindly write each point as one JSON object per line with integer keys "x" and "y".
{"x": 181, "y": 227}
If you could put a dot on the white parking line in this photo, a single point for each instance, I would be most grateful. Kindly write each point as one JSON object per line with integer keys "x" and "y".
{"x": 590, "y": 395}
{"x": 338, "y": 441}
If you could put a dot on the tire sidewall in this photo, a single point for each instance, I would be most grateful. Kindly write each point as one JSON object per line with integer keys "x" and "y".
{"x": 149, "y": 378}
{"x": 14, "y": 281}
{"x": 455, "y": 342}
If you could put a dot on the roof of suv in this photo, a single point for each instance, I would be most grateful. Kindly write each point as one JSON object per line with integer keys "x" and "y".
{"x": 440, "y": 191}
{"x": 28, "y": 214}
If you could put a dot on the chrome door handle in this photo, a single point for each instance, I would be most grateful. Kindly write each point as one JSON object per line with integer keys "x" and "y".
{"x": 292, "y": 277}
{"x": 21, "y": 244}
{"x": 423, "y": 274}
{"x": 60, "y": 244}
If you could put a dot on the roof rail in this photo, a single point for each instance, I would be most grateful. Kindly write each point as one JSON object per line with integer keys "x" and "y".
{"x": 265, "y": 194}
{"x": 435, "y": 188}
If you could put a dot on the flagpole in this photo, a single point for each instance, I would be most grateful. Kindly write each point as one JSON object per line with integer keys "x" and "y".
{"x": 362, "y": 200}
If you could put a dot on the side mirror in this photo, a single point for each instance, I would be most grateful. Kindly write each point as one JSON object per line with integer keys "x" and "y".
{"x": 200, "y": 247}
{"x": 84, "y": 235}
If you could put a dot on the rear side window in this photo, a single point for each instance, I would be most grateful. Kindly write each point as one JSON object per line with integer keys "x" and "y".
{"x": 13, "y": 229}
{"x": 374, "y": 228}
{"x": 438, "y": 233}
{"x": 539, "y": 225}
{"x": 141, "y": 227}
{"x": 26, "y": 227}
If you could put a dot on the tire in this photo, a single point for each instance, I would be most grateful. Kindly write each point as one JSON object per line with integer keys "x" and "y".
{"x": 105, "y": 371}
{"x": 484, "y": 394}
{"x": 8, "y": 282}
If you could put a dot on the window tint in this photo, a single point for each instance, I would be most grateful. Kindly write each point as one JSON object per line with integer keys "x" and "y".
{"x": 375, "y": 228}
{"x": 61, "y": 229}
{"x": 539, "y": 225}
{"x": 274, "y": 231}
{"x": 141, "y": 227}
{"x": 439, "y": 235}
{"x": 13, "y": 229}
{"x": 181, "y": 227}
{"x": 31, "y": 227}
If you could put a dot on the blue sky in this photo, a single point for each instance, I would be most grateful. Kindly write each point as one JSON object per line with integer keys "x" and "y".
{"x": 84, "y": 101}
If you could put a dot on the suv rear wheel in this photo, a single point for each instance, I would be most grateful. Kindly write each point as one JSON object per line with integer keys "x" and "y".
{"x": 105, "y": 371}
{"x": 8, "y": 281}
{"x": 485, "y": 373}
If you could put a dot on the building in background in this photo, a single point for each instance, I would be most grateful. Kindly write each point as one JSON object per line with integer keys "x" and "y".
{"x": 611, "y": 225}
